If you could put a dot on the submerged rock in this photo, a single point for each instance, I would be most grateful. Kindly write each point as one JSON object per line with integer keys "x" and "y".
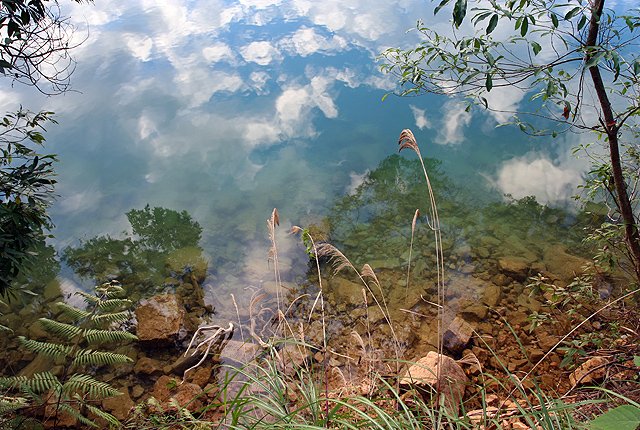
{"x": 457, "y": 336}
{"x": 563, "y": 265}
{"x": 159, "y": 319}
{"x": 515, "y": 267}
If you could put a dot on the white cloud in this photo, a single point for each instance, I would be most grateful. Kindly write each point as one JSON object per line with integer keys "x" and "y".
{"x": 218, "y": 52}
{"x": 306, "y": 41}
{"x": 259, "y": 133}
{"x": 539, "y": 177}
{"x": 262, "y": 53}
{"x": 146, "y": 127}
{"x": 356, "y": 179}
{"x": 420, "y": 117}
{"x": 455, "y": 118}
{"x": 258, "y": 81}
{"x": 140, "y": 46}
{"x": 503, "y": 102}
{"x": 294, "y": 105}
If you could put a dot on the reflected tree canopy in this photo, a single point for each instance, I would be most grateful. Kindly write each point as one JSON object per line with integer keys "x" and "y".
{"x": 162, "y": 249}
{"x": 373, "y": 224}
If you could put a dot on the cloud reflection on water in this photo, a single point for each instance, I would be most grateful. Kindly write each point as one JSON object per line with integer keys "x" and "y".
{"x": 224, "y": 108}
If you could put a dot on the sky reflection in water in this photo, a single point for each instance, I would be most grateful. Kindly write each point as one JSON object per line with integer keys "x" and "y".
{"x": 229, "y": 109}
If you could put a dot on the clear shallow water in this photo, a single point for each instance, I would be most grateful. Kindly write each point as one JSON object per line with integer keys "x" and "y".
{"x": 229, "y": 109}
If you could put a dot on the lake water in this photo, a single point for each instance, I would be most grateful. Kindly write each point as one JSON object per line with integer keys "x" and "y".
{"x": 227, "y": 110}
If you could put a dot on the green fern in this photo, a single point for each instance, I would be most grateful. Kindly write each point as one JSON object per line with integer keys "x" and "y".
{"x": 113, "y": 421}
{"x": 77, "y": 350}
{"x": 88, "y": 385}
{"x": 98, "y": 358}
{"x": 38, "y": 383}
{"x": 105, "y": 336}
{"x": 61, "y": 330}
{"x": 115, "y": 317}
{"x": 72, "y": 312}
{"x": 48, "y": 349}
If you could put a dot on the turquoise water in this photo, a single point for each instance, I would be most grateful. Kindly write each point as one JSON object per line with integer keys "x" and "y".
{"x": 227, "y": 110}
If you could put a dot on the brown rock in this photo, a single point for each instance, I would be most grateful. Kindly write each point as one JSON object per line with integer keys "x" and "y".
{"x": 344, "y": 291}
{"x": 239, "y": 352}
{"x": 148, "y": 366}
{"x": 186, "y": 394}
{"x": 119, "y": 406}
{"x": 491, "y": 295}
{"x": 562, "y": 264}
{"x": 515, "y": 267}
{"x": 137, "y": 391}
{"x": 437, "y": 370}
{"x": 457, "y": 336}
{"x": 590, "y": 371}
{"x": 159, "y": 319}
{"x": 200, "y": 376}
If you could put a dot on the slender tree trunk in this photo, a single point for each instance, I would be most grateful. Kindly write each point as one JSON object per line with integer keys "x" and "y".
{"x": 624, "y": 204}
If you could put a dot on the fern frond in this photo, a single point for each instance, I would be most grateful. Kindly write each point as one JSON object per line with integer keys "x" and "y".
{"x": 111, "y": 317}
{"x": 87, "y": 385}
{"x": 113, "y": 304}
{"x": 5, "y": 328}
{"x": 45, "y": 348}
{"x": 65, "y": 407}
{"x": 62, "y": 330}
{"x": 38, "y": 383}
{"x": 99, "y": 358}
{"x": 110, "y": 289}
{"x": 72, "y": 312}
{"x": 104, "y": 415}
{"x": 10, "y": 404}
{"x": 90, "y": 299}
{"x": 97, "y": 336}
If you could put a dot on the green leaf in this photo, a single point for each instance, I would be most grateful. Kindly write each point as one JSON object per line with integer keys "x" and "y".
{"x": 636, "y": 360}
{"x": 593, "y": 61}
{"x": 582, "y": 22}
{"x": 492, "y": 23}
{"x": 488, "y": 83}
{"x": 573, "y": 12}
{"x": 442, "y": 4}
{"x": 636, "y": 67}
{"x": 625, "y": 417}
{"x": 524, "y": 27}
{"x": 536, "y": 48}
{"x": 554, "y": 20}
{"x": 459, "y": 12}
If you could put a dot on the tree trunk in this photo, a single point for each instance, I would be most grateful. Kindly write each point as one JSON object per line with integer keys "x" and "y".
{"x": 632, "y": 237}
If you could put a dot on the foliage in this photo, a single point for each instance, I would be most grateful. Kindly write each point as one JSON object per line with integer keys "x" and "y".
{"x": 81, "y": 335}
{"x": 141, "y": 258}
{"x": 26, "y": 187}
{"x": 35, "y": 45}
{"x": 625, "y": 417}
{"x": 557, "y": 53}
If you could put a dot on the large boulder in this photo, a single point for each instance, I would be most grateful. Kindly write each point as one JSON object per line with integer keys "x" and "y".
{"x": 159, "y": 319}
{"x": 442, "y": 374}
{"x": 563, "y": 265}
